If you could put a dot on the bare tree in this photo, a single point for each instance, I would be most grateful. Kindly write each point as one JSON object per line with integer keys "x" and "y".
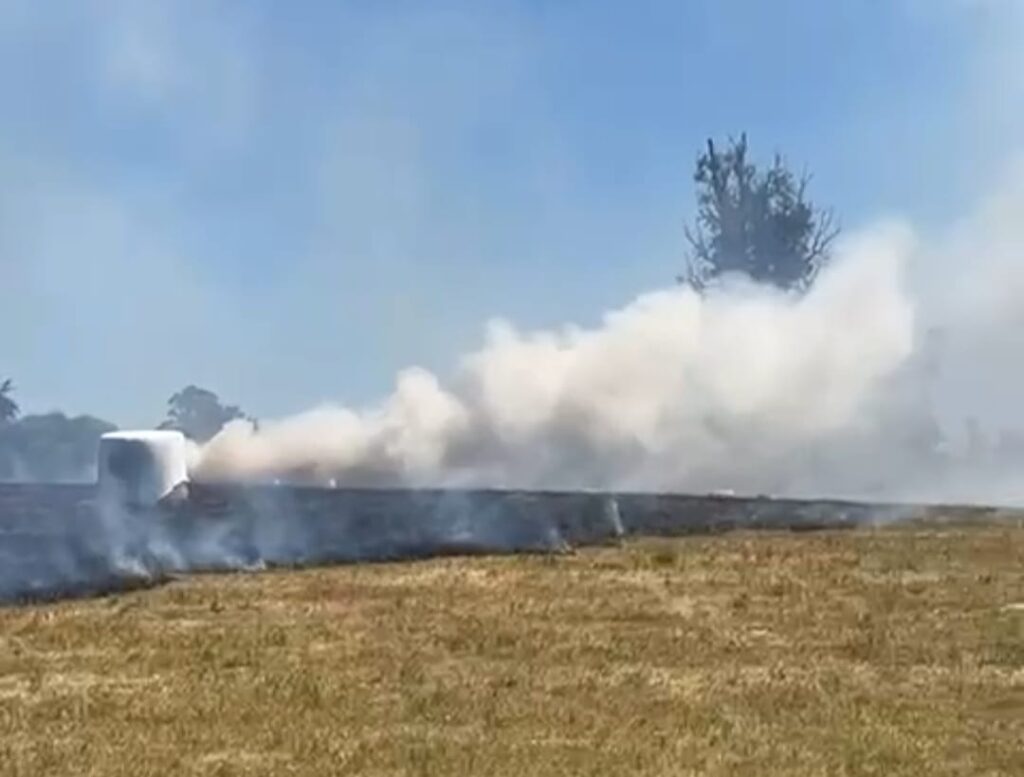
{"x": 760, "y": 224}
{"x": 9, "y": 409}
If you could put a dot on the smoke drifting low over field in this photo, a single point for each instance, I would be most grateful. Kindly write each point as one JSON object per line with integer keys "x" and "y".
{"x": 744, "y": 388}
{"x": 833, "y": 393}
{"x": 62, "y": 541}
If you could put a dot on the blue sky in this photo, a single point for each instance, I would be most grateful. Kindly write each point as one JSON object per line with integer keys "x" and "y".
{"x": 287, "y": 202}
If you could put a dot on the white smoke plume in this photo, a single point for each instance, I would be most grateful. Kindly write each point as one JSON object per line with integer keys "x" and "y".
{"x": 672, "y": 391}
{"x": 857, "y": 388}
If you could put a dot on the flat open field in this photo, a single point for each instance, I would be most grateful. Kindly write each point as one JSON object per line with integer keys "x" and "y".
{"x": 864, "y": 652}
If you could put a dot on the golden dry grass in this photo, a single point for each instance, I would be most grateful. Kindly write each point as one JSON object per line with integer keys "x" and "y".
{"x": 891, "y": 652}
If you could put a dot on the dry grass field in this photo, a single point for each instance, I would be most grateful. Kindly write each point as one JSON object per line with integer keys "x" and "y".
{"x": 888, "y": 652}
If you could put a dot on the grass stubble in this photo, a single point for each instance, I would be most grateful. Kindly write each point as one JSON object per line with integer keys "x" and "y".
{"x": 889, "y": 652}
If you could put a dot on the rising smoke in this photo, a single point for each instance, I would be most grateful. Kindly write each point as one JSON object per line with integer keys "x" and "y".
{"x": 746, "y": 388}
{"x": 837, "y": 392}
{"x": 737, "y": 389}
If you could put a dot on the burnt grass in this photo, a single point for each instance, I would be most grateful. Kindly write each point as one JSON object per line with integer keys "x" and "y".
{"x": 871, "y": 649}
{"x": 56, "y": 542}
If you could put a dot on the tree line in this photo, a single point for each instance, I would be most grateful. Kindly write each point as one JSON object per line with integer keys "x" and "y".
{"x": 54, "y": 447}
{"x": 750, "y": 221}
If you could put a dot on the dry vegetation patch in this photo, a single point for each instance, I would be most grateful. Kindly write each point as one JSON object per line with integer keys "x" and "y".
{"x": 890, "y": 652}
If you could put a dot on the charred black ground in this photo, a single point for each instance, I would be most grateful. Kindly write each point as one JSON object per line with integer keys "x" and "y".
{"x": 57, "y": 541}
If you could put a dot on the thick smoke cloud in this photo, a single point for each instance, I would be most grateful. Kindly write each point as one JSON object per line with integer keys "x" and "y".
{"x": 672, "y": 391}
{"x": 896, "y": 377}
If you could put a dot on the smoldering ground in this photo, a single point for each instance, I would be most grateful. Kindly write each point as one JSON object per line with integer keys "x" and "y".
{"x": 62, "y": 541}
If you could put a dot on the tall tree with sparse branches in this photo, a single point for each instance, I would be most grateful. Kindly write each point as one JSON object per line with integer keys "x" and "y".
{"x": 8, "y": 407}
{"x": 758, "y": 223}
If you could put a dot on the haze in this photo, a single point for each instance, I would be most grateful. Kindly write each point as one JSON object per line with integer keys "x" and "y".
{"x": 294, "y": 205}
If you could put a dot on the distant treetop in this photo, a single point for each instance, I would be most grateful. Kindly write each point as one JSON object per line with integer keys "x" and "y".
{"x": 758, "y": 223}
{"x": 198, "y": 413}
